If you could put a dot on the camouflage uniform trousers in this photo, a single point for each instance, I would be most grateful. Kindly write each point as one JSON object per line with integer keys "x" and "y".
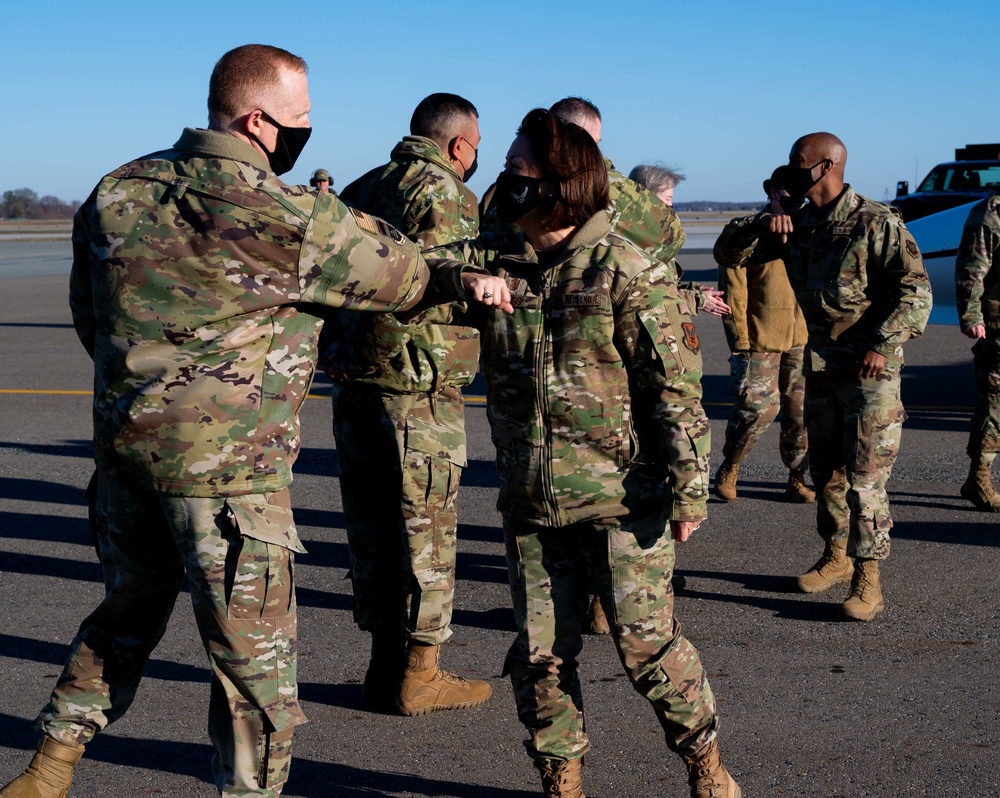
{"x": 550, "y": 573}
{"x": 984, "y": 435}
{"x": 762, "y": 383}
{"x": 855, "y": 425}
{"x": 244, "y": 604}
{"x": 401, "y": 517}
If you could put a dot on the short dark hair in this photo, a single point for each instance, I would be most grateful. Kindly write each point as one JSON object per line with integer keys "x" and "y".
{"x": 242, "y": 77}
{"x": 568, "y": 156}
{"x": 441, "y": 117}
{"x": 576, "y": 110}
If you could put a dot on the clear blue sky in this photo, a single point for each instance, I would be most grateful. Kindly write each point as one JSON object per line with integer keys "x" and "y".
{"x": 718, "y": 89}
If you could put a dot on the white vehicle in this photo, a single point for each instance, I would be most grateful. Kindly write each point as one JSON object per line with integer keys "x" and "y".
{"x": 937, "y": 236}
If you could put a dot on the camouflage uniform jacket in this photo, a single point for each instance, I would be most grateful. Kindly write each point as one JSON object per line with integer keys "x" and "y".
{"x": 765, "y": 317}
{"x": 422, "y": 351}
{"x": 420, "y": 193}
{"x": 193, "y": 272}
{"x": 594, "y": 385}
{"x": 859, "y": 279}
{"x": 977, "y": 282}
{"x": 642, "y": 218}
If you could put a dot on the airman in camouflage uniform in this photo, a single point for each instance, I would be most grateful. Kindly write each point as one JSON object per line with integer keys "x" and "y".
{"x": 593, "y": 398}
{"x": 977, "y": 294}
{"x": 863, "y": 289}
{"x": 193, "y": 276}
{"x": 321, "y": 181}
{"x": 767, "y": 335}
{"x": 400, "y": 424}
{"x": 637, "y": 215}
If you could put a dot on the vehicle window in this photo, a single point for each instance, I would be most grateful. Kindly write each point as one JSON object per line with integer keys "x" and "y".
{"x": 962, "y": 178}
{"x": 989, "y": 176}
{"x": 935, "y": 181}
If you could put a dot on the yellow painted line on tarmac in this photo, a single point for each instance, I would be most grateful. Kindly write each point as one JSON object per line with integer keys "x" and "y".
{"x": 45, "y": 391}
{"x": 475, "y": 401}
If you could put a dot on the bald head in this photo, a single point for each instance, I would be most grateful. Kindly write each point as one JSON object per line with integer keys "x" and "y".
{"x": 824, "y": 156}
{"x": 818, "y": 147}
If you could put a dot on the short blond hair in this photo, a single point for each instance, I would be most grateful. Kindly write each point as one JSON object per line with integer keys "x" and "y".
{"x": 243, "y": 78}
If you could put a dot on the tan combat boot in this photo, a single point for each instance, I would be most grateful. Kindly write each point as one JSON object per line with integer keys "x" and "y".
{"x": 426, "y": 688}
{"x": 561, "y": 779}
{"x": 833, "y": 568}
{"x": 596, "y": 621}
{"x": 797, "y": 491}
{"x": 725, "y": 480}
{"x": 979, "y": 490}
{"x": 708, "y": 777}
{"x": 865, "y": 600}
{"x": 50, "y": 773}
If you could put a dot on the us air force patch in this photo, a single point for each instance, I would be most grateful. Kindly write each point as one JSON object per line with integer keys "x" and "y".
{"x": 911, "y": 248}
{"x": 375, "y": 226}
{"x": 690, "y": 338}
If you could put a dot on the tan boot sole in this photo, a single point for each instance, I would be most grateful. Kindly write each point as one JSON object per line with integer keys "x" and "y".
{"x": 822, "y": 587}
{"x": 863, "y": 616}
{"x": 412, "y": 712}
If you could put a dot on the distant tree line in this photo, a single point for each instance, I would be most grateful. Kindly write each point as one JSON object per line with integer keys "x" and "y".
{"x": 705, "y": 205}
{"x": 23, "y": 203}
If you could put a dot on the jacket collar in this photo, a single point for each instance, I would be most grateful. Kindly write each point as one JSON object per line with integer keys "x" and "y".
{"x": 214, "y": 143}
{"x": 587, "y": 235}
{"x": 837, "y": 211}
{"x": 418, "y": 148}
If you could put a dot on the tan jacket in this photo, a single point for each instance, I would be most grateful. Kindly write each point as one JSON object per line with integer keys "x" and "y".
{"x": 766, "y": 317}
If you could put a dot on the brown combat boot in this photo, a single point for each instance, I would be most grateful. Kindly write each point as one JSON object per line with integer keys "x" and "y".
{"x": 797, "y": 491}
{"x": 426, "y": 688}
{"x": 865, "y": 600}
{"x": 50, "y": 773}
{"x": 708, "y": 777}
{"x": 385, "y": 671}
{"x": 597, "y": 622}
{"x": 725, "y": 480}
{"x": 979, "y": 490}
{"x": 561, "y": 778}
{"x": 833, "y": 568}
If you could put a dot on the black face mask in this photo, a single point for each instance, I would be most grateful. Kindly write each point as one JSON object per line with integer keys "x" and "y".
{"x": 287, "y": 146}
{"x": 472, "y": 169}
{"x": 797, "y": 180}
{"x": 516, "y": 195}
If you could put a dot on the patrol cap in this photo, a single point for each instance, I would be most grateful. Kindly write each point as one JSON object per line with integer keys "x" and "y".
{"x": 319, "y": 174}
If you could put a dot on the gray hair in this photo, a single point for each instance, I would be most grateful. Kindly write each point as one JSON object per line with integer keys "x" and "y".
{"x": 655, "y": 178}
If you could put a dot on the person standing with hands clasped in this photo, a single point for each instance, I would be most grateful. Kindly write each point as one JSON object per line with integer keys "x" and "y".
{"x": 864, "y": 292}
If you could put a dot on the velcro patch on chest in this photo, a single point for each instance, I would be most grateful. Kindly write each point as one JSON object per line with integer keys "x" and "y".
{"x": 690, "y": 337}
{"x": 581, "y": 301}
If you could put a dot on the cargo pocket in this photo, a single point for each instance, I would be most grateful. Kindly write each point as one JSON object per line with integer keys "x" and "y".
{"x": 259, "y": 580}
{"x": 878, "y": 435}
{"x": 641, "y": 563}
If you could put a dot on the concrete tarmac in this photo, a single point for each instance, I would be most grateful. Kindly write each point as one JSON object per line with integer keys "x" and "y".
{"x": 810, "y": 705}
